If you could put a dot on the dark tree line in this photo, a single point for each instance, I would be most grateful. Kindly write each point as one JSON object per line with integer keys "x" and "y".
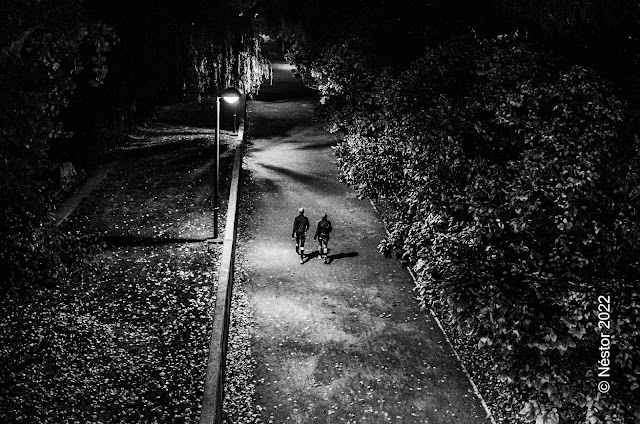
{"x": 601, "y": 33}
{"x": 168, "y": 52}
{"x": 76, "y": 75}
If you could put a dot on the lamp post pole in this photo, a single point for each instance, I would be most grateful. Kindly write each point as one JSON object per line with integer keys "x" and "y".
{"x": 235, "y": 112}
{"x": 230, "y": 95}
{"x": 216, "y": 187}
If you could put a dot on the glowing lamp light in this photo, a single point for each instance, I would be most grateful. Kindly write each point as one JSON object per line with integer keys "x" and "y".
{"x": 231, "y": 95}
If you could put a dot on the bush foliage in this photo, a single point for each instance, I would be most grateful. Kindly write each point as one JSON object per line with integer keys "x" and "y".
{"x": 513, "y": 177}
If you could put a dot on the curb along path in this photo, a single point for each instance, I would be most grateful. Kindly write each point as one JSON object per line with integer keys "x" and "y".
{"x": 216, "y": 362}
{"x": 344, "y": 342}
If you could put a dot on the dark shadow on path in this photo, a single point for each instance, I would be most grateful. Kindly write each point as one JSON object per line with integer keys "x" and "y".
{"x": 284, "y": 91}
{"x": 331, "y": 258}
{"x": 298, "y": 176}
{"x": 310, "y": 256}
{"x": 310, "y": 182}
{"x": 317, "y": 146}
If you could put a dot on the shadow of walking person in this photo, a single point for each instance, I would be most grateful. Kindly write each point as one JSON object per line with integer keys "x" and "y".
{"x": 310, "y": 256}
{"x": 331, "y": 258}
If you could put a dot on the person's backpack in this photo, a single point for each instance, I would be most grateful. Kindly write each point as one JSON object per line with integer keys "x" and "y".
{"x": 324, "y": 228}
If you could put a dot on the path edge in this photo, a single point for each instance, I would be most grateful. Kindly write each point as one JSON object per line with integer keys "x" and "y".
{"x": 433, "y": 315}
{"x": 64, "y": 210}
{"x": 211, "y": 412}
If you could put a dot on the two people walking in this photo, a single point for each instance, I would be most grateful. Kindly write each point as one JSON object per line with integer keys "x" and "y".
{"x": 300, "y": 228}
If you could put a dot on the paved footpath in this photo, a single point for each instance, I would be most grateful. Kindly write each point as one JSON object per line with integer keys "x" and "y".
{"x": 343, "y": 342}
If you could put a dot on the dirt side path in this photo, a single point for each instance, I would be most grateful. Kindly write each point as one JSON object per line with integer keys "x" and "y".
{"x": 344, "y": 342}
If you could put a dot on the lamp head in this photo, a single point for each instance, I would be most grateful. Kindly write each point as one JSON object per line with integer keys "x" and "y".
{"x": 230, "y": 95}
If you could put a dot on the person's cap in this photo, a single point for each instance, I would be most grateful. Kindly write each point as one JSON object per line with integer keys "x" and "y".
{"x": 300, "y": 210}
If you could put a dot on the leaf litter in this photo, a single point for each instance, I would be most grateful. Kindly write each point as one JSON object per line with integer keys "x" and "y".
{"x": 125, "y": 340}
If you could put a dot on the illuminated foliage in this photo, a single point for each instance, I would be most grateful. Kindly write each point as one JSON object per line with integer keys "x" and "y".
{"x": 514, "y": 185}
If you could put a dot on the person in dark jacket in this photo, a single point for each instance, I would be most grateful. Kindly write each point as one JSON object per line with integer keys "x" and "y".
{"x": 300, "y": 227}
{"x": 322, "y": 234}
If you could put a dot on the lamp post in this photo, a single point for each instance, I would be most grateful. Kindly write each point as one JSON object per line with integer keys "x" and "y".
{"x": 235, "y": 112}
{"x": 231, "y": 96}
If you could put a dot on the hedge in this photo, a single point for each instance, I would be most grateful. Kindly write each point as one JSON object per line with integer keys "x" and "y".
{"x": 513, "y": 177}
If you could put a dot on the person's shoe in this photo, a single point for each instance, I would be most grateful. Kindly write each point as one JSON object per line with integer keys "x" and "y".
{"x": 326, "y": 260}
{"x": 301, "y": 261}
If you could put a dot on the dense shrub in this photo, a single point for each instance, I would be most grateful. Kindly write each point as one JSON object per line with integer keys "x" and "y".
{"x": 514, "y": 180}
